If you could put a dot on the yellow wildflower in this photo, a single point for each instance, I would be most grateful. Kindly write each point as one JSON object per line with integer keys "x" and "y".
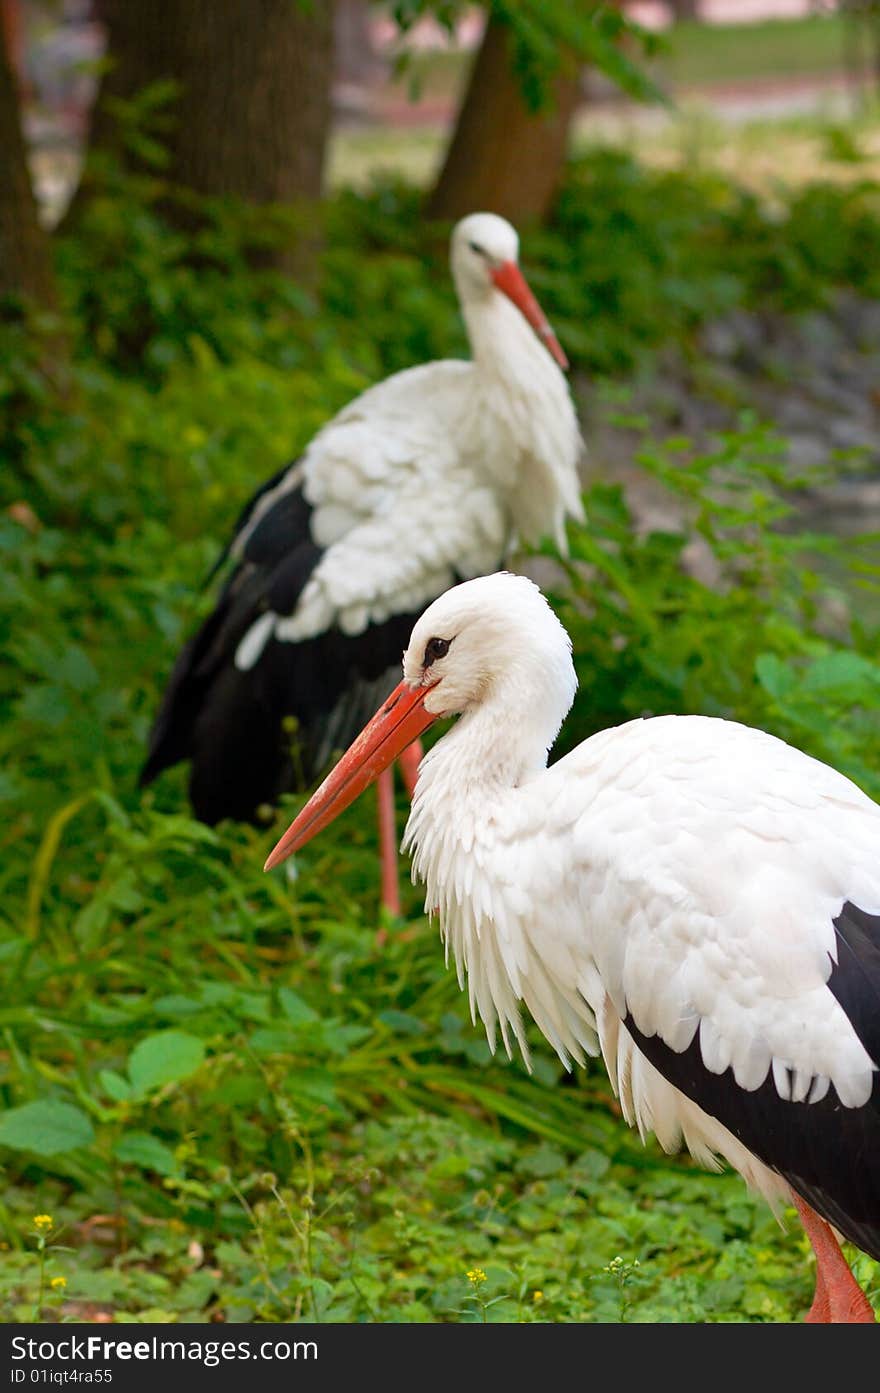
{"x": 43, "y": 1222}
{"x": 476, "y": 1276}
{"x": 537, "y": 1296}
{"x": 59, "y": 1283}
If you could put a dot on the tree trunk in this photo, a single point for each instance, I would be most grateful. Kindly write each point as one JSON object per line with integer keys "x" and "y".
{"x": 684, "y": 9}
{"x": 504, "y": 158}
{"x": 13, "y": 33}
{"x": 253, "y": 107}
{"x": 26, "y": 271}
{"x": 356, "y": 60}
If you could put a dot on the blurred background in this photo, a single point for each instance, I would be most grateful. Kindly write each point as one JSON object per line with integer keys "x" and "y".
{"x": 473, "y": 106}
{"x": 397, "y": 75}
{"x": 223, "y": 1097}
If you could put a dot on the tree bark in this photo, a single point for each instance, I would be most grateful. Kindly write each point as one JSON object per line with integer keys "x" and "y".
{"x": 26, "y": 271}
{"x": 683, "y": 9}
{"x": 504, "y": 158}
{"x": 356, "y": 59}
{"x": 254, "y": 87}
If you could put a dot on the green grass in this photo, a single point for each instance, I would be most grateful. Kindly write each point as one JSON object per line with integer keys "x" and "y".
{"x": 231, "y": 1100}
{"x": 357, "y": 157}
{"x": 691, "y": 55}
{"x": 703, "y": 54}
{"x": 766, "y": 156}
{"x": 288, "y": 1122}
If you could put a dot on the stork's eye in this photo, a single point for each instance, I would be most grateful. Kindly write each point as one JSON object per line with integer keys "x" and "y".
{"x": 434, "y": 649}
{"x": 476, "y": 248}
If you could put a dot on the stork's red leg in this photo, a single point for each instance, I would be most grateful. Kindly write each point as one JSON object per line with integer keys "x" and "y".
{"x": 409, "y": 762}
{"x": 839, "y": 1299}
{"x": 388, "y": 843}
{"x": 820, "y": 1311}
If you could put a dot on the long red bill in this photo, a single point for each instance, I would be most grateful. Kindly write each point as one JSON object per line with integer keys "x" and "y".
{"x": 511, "y": 282}
{"x": 400, "y": 720}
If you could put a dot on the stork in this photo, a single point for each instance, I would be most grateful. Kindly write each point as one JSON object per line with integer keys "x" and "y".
{"x": 693, "y": 897}
{"x": 432, "y": 476}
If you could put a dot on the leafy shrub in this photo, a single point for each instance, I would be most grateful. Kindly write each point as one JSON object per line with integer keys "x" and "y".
{"x": 738, "y": 613}
{"x": 633, "y": 256}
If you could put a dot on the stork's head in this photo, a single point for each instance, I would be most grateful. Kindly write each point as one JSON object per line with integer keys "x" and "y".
{"x": 481, "y": 244}
{"x": 484, "y": 256}
{"x": 493, "y": 634}
{"x": 494, "y": 639}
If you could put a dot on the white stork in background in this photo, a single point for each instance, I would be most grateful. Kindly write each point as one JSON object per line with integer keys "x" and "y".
{"x": 694, "y": 898}
{"x": 430, "y": 477}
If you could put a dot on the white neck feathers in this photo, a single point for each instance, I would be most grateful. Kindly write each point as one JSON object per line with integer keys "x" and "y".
{"x": 530, "y": 424}
{"x": 467, "y": 805}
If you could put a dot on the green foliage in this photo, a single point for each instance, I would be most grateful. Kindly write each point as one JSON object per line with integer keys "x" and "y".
{"x": 144, "y": 294}
{"x": 228, "y": 1098}
{"x": 638, "y": 256}
{"x": 737, "y": 614}
{"x": 45, "y": 1127}
{"x": 166, "y": 1057}
{"x": 544, "y": 37}
{"x": 634, "y": 256}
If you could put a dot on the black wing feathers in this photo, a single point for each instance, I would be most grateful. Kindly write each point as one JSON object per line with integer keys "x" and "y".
{"x": 855, "y": 977}
{"x": 245, "y": 752}
{"x": 281, "y": 526}
{"x": 289, "y": 576}
{"x": 231, "y": 724}
{"x": 278, "y": 559}
{"x": 829, "y": 1153}
{"x": 245, "y": 515}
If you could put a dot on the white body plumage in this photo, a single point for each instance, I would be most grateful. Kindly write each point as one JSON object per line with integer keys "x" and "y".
{"x": 434, "y": 475}
{"x": 438, "y": 472}
{"x": 683, "y": 872}
{"x": 695, "y": 898}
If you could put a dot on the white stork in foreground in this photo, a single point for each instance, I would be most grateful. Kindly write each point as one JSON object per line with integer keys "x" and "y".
{"x": 693, "y": 897}
{"x": 430, "y": 477}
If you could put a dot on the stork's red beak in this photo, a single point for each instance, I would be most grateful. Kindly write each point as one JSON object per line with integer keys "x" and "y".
{"x": 398, "y": 722}
{"x": 511, "y": 282}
